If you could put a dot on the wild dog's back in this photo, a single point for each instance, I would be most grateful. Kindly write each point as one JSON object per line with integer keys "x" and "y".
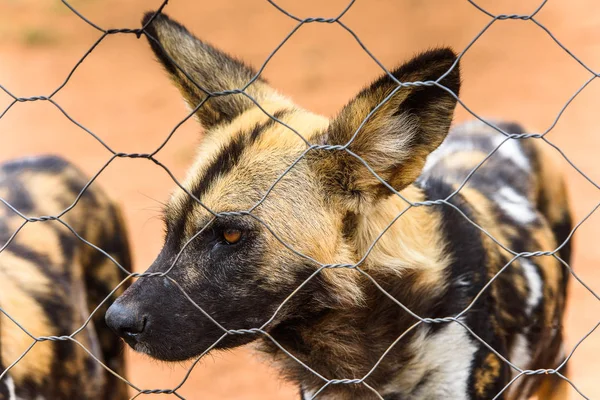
{"x": 521, "y": 177}
{"x": 517, "y": 196}
{"x": 50, "y": 282}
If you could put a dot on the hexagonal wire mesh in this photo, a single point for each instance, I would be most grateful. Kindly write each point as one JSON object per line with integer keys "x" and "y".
{"x": 261, "y": 330}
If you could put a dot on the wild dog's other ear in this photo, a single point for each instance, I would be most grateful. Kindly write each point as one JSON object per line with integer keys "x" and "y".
{"x": 397, "y": 138}
{"x": 181, "y": 53}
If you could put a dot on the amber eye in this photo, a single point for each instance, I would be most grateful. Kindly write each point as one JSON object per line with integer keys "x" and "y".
{"x": 232, "y": 236}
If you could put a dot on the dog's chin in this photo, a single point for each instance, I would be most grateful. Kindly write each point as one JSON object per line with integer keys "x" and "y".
{"x": 171, "y": 352}
{"x": 166, "y": 355}
{"x": 142, "y": 348}
{"x": 163, "y": 352}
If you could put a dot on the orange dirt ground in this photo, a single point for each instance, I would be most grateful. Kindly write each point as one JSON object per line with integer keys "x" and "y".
{"x": 120, "y": 93}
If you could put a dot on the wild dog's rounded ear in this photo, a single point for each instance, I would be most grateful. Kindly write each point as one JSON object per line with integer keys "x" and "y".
{"x": 198, "y": 69}
{"x": 410, "y": 122}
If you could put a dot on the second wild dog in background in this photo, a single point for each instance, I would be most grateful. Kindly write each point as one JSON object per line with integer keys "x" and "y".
{"x": 51, "y": 281}
{"x": 331, "y": 209}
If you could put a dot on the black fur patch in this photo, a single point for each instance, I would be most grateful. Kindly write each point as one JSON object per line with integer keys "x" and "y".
{"x": 562, "y": 230}
{"x": 4, "y": 393}
{"x": 421, "y": 65}
{"x": 264, "y": 126}
{"x": 467, "y": 273}
{"x": 19, "y": 198}
{"x": 48, "y": 164}
{"x": 467, "y": 276}
{"x": 349, "y": 225}
{"x": 225, "y": 161}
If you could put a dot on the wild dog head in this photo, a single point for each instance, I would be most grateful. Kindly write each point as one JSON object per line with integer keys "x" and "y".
{"x": 259, "y": 210}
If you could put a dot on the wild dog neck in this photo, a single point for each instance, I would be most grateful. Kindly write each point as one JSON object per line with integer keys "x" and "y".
{"x": 412, "y": 239}
{"x": 408, "y": 263}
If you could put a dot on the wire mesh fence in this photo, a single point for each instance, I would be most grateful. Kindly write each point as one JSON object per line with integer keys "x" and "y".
{"x": 319, "y": 266}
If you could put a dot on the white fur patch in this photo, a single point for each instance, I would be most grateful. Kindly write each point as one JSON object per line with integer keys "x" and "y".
{"x": 447, "y": 148}
{"x": 520, "y": 356}
{"x": 515, "y": 205}
{"x": 453, "y": 351}
{"x": 307, "y": 394}
{"x": 511, "y": 150}
{"x": 443, "y": 365}
{"x": 10, "y": 385}
{"x": 534, "y": 281}
{"x": 520, "y": 353}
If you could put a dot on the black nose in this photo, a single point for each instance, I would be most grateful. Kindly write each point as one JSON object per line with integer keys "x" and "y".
{"x": 126, "y": 322}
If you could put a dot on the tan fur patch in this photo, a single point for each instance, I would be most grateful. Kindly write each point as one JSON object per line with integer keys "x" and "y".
{"x": 484, "y": 209}
{"x": 464, "y": 160}
{"x": 49, "y": 192}
{"x": 413, "y": 242}
{"x": 554, "y": 190}
{"x": 487, "y": 374}
{"x": 41, "y": 237}
{"x": 15, "y": 274}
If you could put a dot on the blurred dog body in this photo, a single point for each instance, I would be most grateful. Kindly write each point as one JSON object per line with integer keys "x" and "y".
{"x": 51, "y": 281}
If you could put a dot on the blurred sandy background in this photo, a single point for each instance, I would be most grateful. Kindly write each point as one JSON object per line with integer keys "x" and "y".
{"x": 513, "y": 71}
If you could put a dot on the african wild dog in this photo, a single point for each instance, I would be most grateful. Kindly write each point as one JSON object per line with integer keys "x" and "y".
{"x": 331, "y": 208}
{"x": 50, "y": 281}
